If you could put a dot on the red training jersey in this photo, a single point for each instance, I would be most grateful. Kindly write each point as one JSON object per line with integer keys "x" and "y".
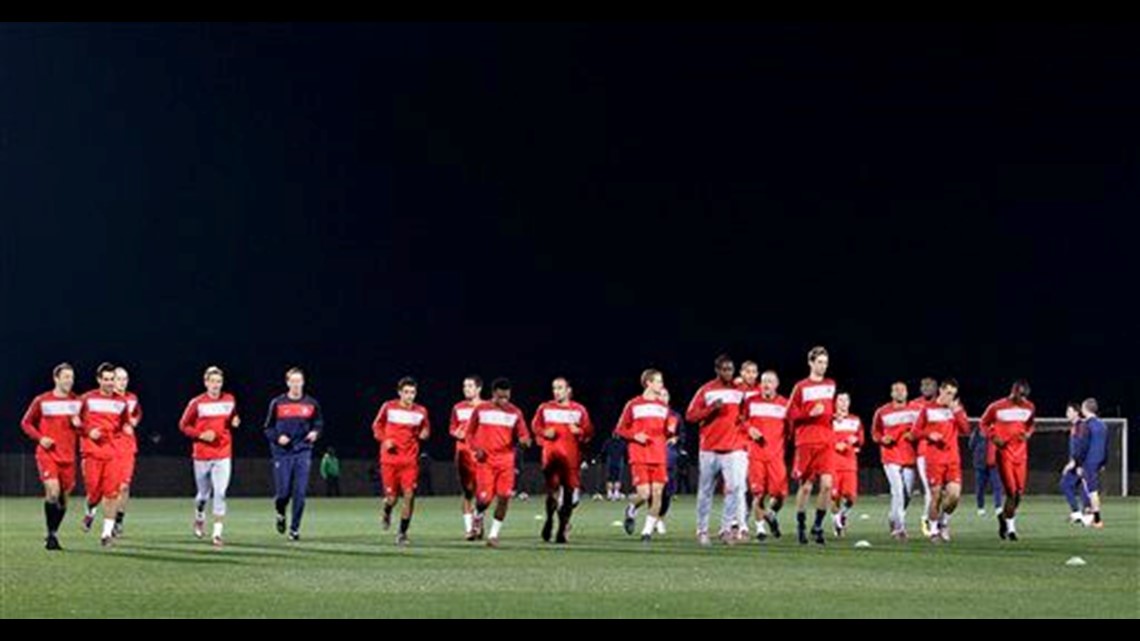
{"x": 402, "y": 425}
{"x": 895, "y": 421}
{"x": 460, "y": 414}
{"x": 770, "y": 416}
{"x": 719, "y": 428}
{"x": 652, "y": 418}
{"x": 948, "y": 424}
{"x": 1012, "y": 422}
{"x": 848, "y": 430}
{"x": 205, "y": 413}
{"x": 124, "y": 442}
{"x": 493, "y": 429}
{"x": 807, "y": 394}
{"x": 50, "y": 415}
{"x": 106, "y": 413}
{"x": 552, "y": 415}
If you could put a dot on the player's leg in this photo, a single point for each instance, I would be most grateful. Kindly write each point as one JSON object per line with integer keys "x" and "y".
{"x": 729, "y": 527}
{"x": 1091, "y": 485}
{"x": 94, "y": 496}
{"x": 1007, "y": 471}
{"x": 996, "y": 486}
{"x": 390, "y": 479}
{"x": 803, "y": 493}
{"x": 220, "y": 472}
{"x": 655, "y": 489}
{"x": 409, "y": 479}
{"x": 109, "y": 479}
{"x": 300, "y": 482}
{"x": 756, "y": 476}
{"x": 826, "y": 480}
{"x": 1068, "y": 484}
{"x": 776, "y": 484}
{"x": 896, "y": 518}
{"x": 127, "y": 473}
{"x": 282, "y": 485}
{"x": 641, "y": 482}
{"x": 465, "y": 469}
{"x": 739, "y": 490}
{"x": 926, "y": 496}
{"x": 706, "y": 488}
{"x": 571, "y": 494}
{"x": 934, "y": 515}
{"x": 504, "y": 485}
{"x": 203, "y": 484}
{"x": 951, "y": 494}
{"x": 553, "y": 483}
{"x": 981, "y": 476}
{"x": 53, "y": 513}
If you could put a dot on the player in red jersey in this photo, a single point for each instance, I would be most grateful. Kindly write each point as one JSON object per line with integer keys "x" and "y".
{"x": 810, "y": 410}
{"x": 464, "y": 461}
{"x": 848, "y": 442}
{"x": 764, "y": 420}
{"x": 1008, "y": 423}
{"x": 715, "y": 409}
{"x": 48, "y": 422}
{"x": 892, "y": 429}
{"x": 491, "y": 432}
{"x": 928, "y": 389}
{"x": 561, "y": 426}
{"x": 126, "y": 446}
{"x": 207, "y": 420}
{"x": 939, "y": 425}
{"x": 646, "y": 424}
{"x": 103, "y": 414}
{"x": 399, "y": 427}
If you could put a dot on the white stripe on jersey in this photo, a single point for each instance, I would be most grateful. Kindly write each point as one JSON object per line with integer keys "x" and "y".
{"x": 726, "y": 396}
{"x": 497, "y": 417}
{"x": 845, "y": 425}
{"x": 1013, "y": 415}
{"x": 650, "y": 410}
{"x": 59, "y": 408}
{"x": 900, "y": 417}
{"x": 817, "y": 392}
{"x": 939, "y": 414}
{"x": 215, "y": 408}
{"x": 404, "y": 417}
{"x": 561, "y": 417}
{"x": 105, "y": 406}
{"x": 767, "y": 410}
{"x": 464, "y": 413}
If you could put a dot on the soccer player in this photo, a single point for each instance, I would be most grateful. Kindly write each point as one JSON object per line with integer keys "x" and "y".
{"x": 562, "y": 426}
{"x": 939, "y": 425}
{"x": 645, "y": 424}
{"x": 715, "y": 408}
{"x": 1008, "y": 423}
{"x": 1070, "y": 480}
{"x": 126, "y": 445}
{"x": 810, "y": 410}
{"x": 491, "y": 433}
{"x": 292, "y": 425}
{"x": 1092, "y": 456}
{"x": 928, "y": 388}
{"x": 848, "y": 443}
{"x": 102, "y": 415}
{"x": 207, "y": 421}
{"x": 464, "y": 461}
{"x": 399, "y": 427}
{"x": 892, "y": 428}
{"x": 674, "y": 447}
{"x": 48, "y": 422}
{"x": 766, "y": 424}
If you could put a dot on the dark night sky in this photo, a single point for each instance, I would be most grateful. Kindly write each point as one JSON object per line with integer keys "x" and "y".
{"x": 370, "y": 201}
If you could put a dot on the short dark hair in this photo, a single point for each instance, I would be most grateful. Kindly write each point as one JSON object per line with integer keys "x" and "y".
{"x": 501, "y": 383}
{"x": 474, "y": 378}
{"x": 59, "y": 369}
{"x": 294, "y": 370}
{"x": 843, "y": 393}
{"x": 721, "y": 360}
{"x": 1023, "y": 385}
{"x": 406, "y": 381}
{"x": 1092, "y": 405}
{"x": 949, "y": 382}
{"x": 103, "y": 368}
{"x": 1073, "y": 405}
{"x": 816, "y": 352}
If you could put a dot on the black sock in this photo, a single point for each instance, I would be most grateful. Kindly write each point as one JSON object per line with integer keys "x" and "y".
{"x": 551, "y": 506}
{"x": 280, "y": 504}
{"x": 801, "y": 518}
{"x": 404, "y": 523}
{"x": 119, "y": 518}
{"x": 49, "y": 517}
{"x": 388, "y": 508}
{"x": 666, "y": 501}
{"x": 1096, "y": 516}
{"x": 819, "y": 514}
{"x": 200, "y": 507}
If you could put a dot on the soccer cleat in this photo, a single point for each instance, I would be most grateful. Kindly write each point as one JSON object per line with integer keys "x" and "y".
{"x": 281, "y": 524}
{"x": 493, "y": 542}
{"x": 1087, "y": 520}
{"x": 981, "y": 511}
{"x": 199, "y": 528}
{"x": 52, "y": 543}
{"x": 774, "y": 523}
{"x": 761, "y": 536}
{"x": 386, "y": 521}
{"x": 944, "y": 532}
{"x": 294, "y": 535}
{"x": 106, "y": 541}
{"x": 402, "y": 540}
{"x": 117, "y": 531}
{"x": 561, "y": 538}
{"x": 646, "y": 538}
{"x": 660, "y": 527}
{"x": 703, "y": 539}
{"x": 817, "y": 535}
{"x": 1003, "y": 531}
{"x": 88, "y": 520}
{"x": 801, "y": 534}
{"x": 1012, "y": 535}
{"x": 217, "y": 542}
{"x": 899, "y": 534}
{"x": 1097, "y": 525}
{"x": 547, "y": 529}
{"x": 629, "y": 521}
{"x": 477, "y": 528}
{"x": 1076, "y": 518}
{"x": 925, "y": 526}
{"x": 934, "y": 538}
{"x": 470, "y": 535}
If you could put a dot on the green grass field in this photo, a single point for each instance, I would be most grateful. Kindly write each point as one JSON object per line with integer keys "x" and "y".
{"x": 346, "y": 567}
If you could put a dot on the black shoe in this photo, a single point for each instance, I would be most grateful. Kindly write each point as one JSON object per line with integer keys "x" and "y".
{"x": 761, "y": 536}
{"x": 817, "y": 535}
{"x": 281, "y": 524}
{"x": 386, "y": 521}
{"x": 629, "y": 522}
{"x": 52, "y": 543}
{"x": 646, "y": 538}
{"x": 547, "y": 530}
{"x": 561, "y": 538}
{"x": 775, "y": 525}
{"x": 1012, "y": 536}
{"x": 294, "y": 535}
{"x": 1003, "y": 531}
{"x": 801, "y": 535}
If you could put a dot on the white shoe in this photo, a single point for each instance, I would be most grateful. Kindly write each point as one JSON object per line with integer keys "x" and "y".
{"x": 660, "y": 527}
{"x": 982, "y": 512}
{"x": 1086, "y": 520}
{"x": 1076, "y": 518}
{"x": 703, "y": 539}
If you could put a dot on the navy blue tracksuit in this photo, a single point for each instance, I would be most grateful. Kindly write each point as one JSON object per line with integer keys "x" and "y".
{"x": 293, "y": 418}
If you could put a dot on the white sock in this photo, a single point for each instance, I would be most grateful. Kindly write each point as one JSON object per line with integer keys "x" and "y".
{"x": 631, "y": 510}
{"x": 217, "y": 529}
{"x": 108, "y": 527}
{"x": 496, "y": 525}
{"x": 468, "y": 522}
{"x": 91, "y": 509}
{"x": 1075, "y": 516}
{"x": 761, "y": 527}
{"x": 1010, "y": 524}
{"x": 199, "y": 516}
{"x": 945, "y": 520}
{"x": 650, "y": 523}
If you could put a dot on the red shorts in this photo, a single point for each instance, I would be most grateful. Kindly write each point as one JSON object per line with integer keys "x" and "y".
{"x": 560, "y": 468}
{"x": 101, "y": 479}
{"x": 125, "y": 468}
{"x": 1014, "y": 474}
{"x": 943, "y": 474}
{"x": 51, "y": 470}
{"x": 845, "y": 485}
{"x": 645, "y": 474}
{"x": 465, "y": 466}
{"x": 399, "y": 477}
{"x": 813, "y": 461}
{"x": 768, "y": 477}
{"x": 495, "y": 478}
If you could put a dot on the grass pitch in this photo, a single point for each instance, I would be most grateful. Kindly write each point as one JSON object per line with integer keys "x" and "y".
{"x": 344, "y": 566}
